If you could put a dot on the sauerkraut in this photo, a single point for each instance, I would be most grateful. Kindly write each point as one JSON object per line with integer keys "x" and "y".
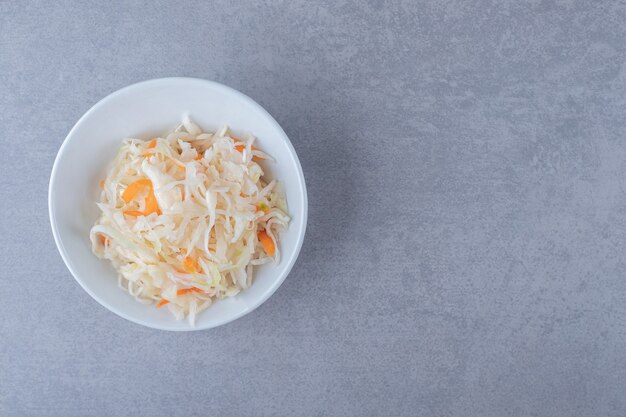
{"x": 185, "y": 218}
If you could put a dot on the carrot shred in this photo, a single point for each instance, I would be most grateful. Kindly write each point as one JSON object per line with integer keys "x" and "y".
{"x": 184, "y": 291}
{"x": 266, "y": 242}
{"x": 133, "y": 189}
{"x": 102, "y": 184}
{"x": 241, "y": 147}
{"x": 152, "y": 206}
{"x": 190, "y": 265}
{"x": 199, "y": 157}
{"x": 162, "y": 303}
{"x": 105, "y": 240}
{"x": 152, "y": 144}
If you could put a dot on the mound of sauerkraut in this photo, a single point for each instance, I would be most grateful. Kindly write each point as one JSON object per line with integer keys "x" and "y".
{"x": 185, "y": 218}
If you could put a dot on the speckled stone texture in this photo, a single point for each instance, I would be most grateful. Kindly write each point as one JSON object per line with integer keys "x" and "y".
{"x": 466, "y": 249}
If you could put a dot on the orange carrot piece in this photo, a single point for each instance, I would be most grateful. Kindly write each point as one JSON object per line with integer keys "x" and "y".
{"x": 184, "y": 291}
{"x": 102, "y": 184}
{"x": 190, "y": 265}
{"x": 266, "y": 242}
{"x": 133, "y": 189}
{"x": 134, "y": 213}
{"x": 152, "y": 144}
{"x": 105, "y": 240}
{"x": 152, "y": 206}
{"x": 241, "y": 147}
{"x": 162, "y": 303}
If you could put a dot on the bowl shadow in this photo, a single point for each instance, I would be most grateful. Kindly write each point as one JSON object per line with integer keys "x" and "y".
{"x": 315, "y": 123}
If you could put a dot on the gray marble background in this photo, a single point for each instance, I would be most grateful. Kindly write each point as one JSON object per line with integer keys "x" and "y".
{"x": 466, "y": 249}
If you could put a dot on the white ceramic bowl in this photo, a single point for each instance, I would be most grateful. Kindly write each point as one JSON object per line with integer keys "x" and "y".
{"x": 144, "y": 110}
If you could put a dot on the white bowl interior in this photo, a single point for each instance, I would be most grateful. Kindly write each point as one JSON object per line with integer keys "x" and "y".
{"x": 144, "y": 110}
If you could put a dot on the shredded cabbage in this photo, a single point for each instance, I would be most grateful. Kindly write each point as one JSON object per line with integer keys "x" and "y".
{"x": 192, "y": 234}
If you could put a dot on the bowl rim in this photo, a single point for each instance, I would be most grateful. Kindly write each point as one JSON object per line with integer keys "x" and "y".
{"x": 301, "y": 189}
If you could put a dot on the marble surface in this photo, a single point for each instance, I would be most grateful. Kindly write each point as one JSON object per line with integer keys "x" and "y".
{"x": 466, "y": 248}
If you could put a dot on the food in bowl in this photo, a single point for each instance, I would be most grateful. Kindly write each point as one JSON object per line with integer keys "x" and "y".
{"x": 185, "y": 218}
